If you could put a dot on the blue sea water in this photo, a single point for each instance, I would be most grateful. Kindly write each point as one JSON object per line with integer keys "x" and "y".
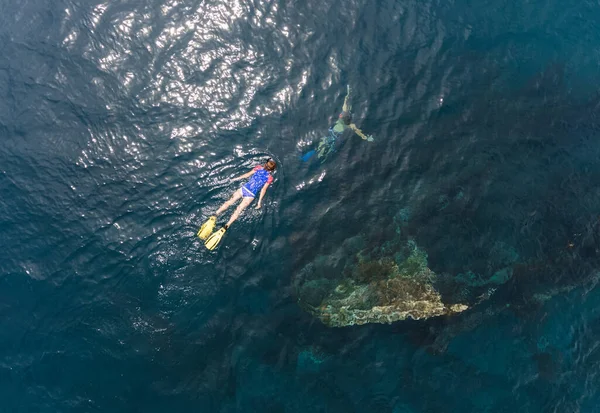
{"x": 121, "y": 123}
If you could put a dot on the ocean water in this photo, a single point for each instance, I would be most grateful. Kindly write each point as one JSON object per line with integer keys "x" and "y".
{"x": 121, "y": 123}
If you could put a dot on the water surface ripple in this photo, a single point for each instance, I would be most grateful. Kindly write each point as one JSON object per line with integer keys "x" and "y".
{"x": 123, "y": 121}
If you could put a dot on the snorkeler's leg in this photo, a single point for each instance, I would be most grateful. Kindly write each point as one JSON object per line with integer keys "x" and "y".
{"x": 326, "y": 147}
{"x": 236, "y": 195}
{"x": 322, "y": 149}
{"x": 243, "y": 205}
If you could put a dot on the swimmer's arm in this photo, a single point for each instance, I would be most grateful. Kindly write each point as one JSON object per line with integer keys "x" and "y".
{"x": 360, "y": 133}
{"x": 262, "y": 194}
{"x": 246, "y": 175}
{"x": 347, "y": 107}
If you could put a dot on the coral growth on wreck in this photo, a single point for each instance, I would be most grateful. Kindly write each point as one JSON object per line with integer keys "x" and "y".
{"x": 381, "y": 285}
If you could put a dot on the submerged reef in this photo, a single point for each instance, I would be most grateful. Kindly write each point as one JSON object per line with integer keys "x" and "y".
{"x": 378, "y": 285}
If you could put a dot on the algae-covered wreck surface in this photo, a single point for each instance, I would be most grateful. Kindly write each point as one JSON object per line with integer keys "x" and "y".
{"x": 357, "y": 285}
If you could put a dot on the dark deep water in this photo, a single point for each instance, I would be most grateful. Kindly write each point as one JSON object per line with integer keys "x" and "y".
{"x": 121, "y": 123}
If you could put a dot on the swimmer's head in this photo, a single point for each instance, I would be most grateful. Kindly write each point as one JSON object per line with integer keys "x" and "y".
{"x": 270, "y": 165}
{"x": 346, "y": 118}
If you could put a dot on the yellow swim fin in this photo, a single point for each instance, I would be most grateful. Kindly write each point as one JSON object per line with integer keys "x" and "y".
{"x": 207, "y": 228}
{"x": 212, "y": 241}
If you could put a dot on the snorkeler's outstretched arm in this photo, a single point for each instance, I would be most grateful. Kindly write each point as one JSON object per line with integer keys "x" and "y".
{"x": 360, "y": 133}
{"x": 347, "y": 106}
{"x": 262, "y": 194}
{"x": 246, "y": 175}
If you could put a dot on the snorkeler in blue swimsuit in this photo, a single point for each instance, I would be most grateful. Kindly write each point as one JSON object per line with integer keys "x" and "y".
{"x": 327, "y": 143}
{"x": 260, "y": 179}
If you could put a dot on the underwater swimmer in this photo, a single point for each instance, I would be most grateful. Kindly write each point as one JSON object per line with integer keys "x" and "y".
{"x": 260, "y": 179}
{"x": 327, "y": 144}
